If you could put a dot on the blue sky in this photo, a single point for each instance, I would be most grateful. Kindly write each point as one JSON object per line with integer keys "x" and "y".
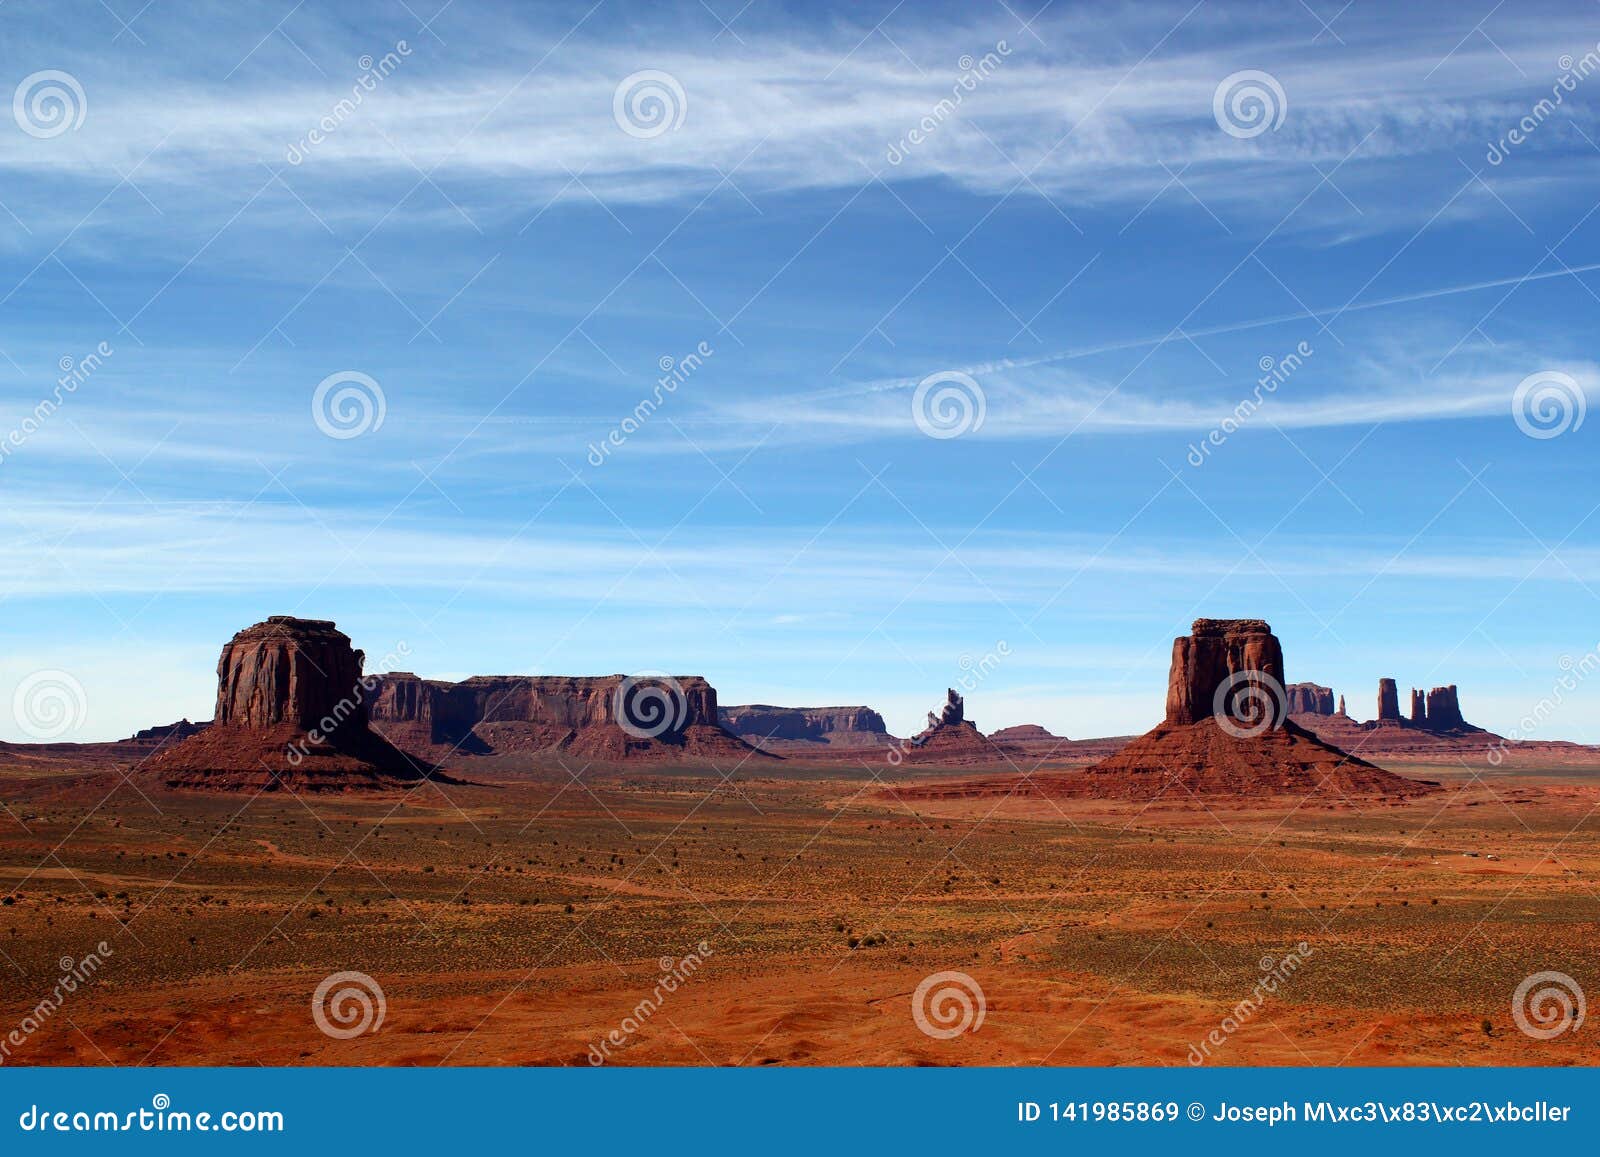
{"x": 1093, "y": 240}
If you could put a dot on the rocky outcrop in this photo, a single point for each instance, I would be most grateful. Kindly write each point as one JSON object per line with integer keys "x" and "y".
{"x": 1419, "y": 709}
{"x": 1023, "y": 733}
{"x": 1310, "y": 699}
{"x": 1388, "y": 701}
{"x": 1444, "y": 710}
{"x": 1223, "y": 665}
{"x": 762, "y": 724}
{"x": 1225, "y": 732}
{"x": 1342, "y": 711}
{"x": 168, "y": 733}
{"x": 609, "y": 717}
{"x": 292, "y": 713}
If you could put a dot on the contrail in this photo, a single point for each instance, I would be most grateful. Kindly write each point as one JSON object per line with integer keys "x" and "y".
{"x": 1211, "y": 331}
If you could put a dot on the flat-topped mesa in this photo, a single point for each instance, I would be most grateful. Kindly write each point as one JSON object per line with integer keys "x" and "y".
{"x": 843, "y": 726}
{"x": 1444, "y": 710}
{"x": 289, "y": 670}
{"x": 1388, "y": 701}
{"x": 1223, "y": 662}
{"x": 1310, "y": 699}
{"x": 292, "y": 712}
{"x": 604, "y": 717}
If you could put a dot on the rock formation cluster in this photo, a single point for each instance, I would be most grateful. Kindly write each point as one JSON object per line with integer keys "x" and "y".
{"x": 1227, "y": 730}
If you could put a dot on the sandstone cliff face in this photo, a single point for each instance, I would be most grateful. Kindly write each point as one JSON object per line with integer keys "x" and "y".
{"x": 1419, "y": 709}
{"x": 292, "y": 712}
{"x": 1444, "y": 710}
{"x": 761, "y": 723}
{"x": 604, "y": 717}
{"x": 1310, "y": 699}
{"x": 1244, "y": 652}
{"x": 1388, "y": 701}
{"x": 287, "y": 670}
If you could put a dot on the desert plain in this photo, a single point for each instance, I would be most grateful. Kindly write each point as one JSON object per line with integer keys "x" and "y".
{"x": 521, "y": 917}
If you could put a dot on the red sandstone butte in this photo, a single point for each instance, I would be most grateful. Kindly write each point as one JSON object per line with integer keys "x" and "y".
{"x": 1310, "y": 699}
{"x": 292, "y": 713}
{"x": 1253, "y": 750}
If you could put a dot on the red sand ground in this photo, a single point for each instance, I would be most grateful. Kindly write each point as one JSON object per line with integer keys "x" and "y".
{"x": 522, "y": 921}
